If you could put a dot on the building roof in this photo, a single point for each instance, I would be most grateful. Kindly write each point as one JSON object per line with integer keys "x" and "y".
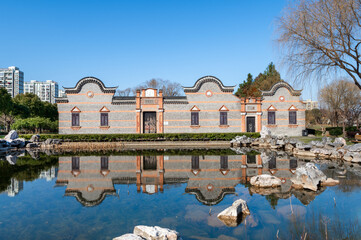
{"x": 86, "y": 80}
{"x": 206, "y": 79}
{"x": 123, "y": 100}
{"x": 279, "y": 85}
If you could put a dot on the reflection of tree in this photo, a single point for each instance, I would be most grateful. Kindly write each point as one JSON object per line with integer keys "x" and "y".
{"x": 349, "y": 185}
{"x": 273, "y": 200}
{"x": 26, "y": 169}
{"x": 321, "y": 227}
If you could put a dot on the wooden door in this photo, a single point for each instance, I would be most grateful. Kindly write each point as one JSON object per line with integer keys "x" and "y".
{"x": 149, "y": 122}
{"x": 251, "y": 124}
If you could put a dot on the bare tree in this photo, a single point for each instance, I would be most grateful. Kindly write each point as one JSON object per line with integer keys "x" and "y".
{"x": 342, "y": 100}
{"x": 125, "y": 92}
{"x": 322, "y": 35}
{"x": 169, "y": 88}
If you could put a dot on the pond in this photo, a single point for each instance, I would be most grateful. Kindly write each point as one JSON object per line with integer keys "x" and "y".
{"x": 103, "y": 195}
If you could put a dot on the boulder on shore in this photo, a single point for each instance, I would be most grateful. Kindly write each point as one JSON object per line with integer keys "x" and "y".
{"x": 129, "y": 236}
{"x": 308, "y": 177}
{"x": 35, "y": 138}
{"x": 234, "y": 215}
{"x": 155, "y": 233}
{"x": 265, "y": 180}
{"x": 13, "y": 134}
{"x": 355, "y": 148}
{"x": 340, "y": 141}
{"x": 265, "y": 132}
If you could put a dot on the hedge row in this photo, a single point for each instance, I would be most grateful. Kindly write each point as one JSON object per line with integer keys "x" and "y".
{"x": 143, "y": 137}
{"x": 337, "y": 131}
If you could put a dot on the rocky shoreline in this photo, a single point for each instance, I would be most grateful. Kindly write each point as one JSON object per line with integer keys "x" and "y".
{"x": 325, "y": 149}
{"x": 12, "y": 142}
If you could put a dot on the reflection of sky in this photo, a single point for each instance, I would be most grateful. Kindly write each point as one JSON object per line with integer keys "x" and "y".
{"x": 40, "y": 211}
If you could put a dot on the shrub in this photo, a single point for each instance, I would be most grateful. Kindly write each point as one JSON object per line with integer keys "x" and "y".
{"x": 35, "y": 124}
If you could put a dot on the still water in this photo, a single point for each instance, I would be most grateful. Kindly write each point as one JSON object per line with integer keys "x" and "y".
{"x": 104, "y": 195}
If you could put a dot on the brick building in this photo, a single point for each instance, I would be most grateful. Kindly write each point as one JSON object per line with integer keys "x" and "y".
{"x": 208, "y": 106}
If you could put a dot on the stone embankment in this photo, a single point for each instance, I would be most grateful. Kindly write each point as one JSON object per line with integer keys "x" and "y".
{"x": 325, "y": 149}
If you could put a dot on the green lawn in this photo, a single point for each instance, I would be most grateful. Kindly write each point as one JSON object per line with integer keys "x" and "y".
{"x": 318, "y": 138}
{"x": 310, "y": 138}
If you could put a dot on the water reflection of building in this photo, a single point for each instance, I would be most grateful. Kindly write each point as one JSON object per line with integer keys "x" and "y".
{"x": 14, "y": 187}
{"x": 49, "y": 174}
{"x": 209, "y": 178}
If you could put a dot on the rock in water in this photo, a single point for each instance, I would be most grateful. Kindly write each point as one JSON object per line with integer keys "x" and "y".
{"x": 308, "y": 176}
{"x": 330, "y": 182}
{"x": 155, "y": 233}
{"x": 234, "y": 215}
{"x": 11, "y": 136}
{"x": 129, "y": 236}
{"x": 265, "y": 180}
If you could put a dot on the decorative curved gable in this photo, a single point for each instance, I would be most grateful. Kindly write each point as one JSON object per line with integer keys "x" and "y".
{"x": 206, "y": 79}
{"x": 86, "y": 80}
{"x": 211, "y": 200}
{"x": 281, "y": 85}
{"x": 90, "y": 203}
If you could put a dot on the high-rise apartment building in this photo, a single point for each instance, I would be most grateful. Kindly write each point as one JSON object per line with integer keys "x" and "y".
{"x": 311, "y": 104}
{"x": 14, "y": 187}
{"x": 12, "y": 79}
{"x": 46, "y": 91}
{"x": 62, "y": 93}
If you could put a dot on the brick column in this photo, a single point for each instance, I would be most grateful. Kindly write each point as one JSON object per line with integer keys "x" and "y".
{"x": 138, "y": 110}
{"x": 243, "y": 115}
{"x": 160, "y": 113}
{"x": 259, "y": 116}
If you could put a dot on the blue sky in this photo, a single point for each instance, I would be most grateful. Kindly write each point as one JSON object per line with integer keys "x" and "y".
{"x": 125, "y": 43}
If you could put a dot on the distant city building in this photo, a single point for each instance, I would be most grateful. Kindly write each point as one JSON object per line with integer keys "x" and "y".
{"x": 311, "y": 104}
{"x": 12, "y": 79}
{"x": 47, "y": 91}
{"x": 49, "y": 174}
{"x": 14, "y": 187}
{"x": 61, "y": 93}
